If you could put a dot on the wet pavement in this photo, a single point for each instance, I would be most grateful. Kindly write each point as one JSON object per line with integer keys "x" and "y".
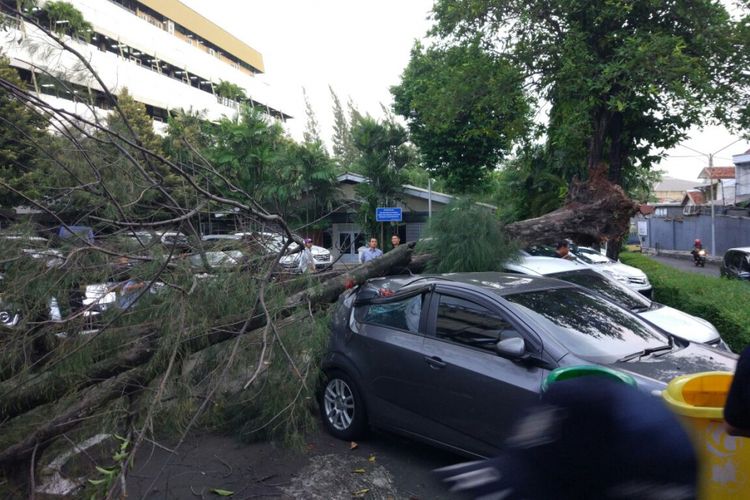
{"x": 711, "y": 269}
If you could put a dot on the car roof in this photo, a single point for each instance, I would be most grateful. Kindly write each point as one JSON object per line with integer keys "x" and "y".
{"x": 494, "y": 282}
{"x": 543, "y": 265}
{"x": 740, "y": 249}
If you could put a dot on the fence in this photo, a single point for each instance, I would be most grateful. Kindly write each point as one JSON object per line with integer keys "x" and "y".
{"x": 679, "y": 233}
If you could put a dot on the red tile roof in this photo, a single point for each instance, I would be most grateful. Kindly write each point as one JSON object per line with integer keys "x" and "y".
{"x": 695, "y": 196}
{"x": 717, "y": 173}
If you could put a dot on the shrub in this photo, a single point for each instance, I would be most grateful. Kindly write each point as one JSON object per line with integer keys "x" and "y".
{"x": 722, "y": 302}
{"x": 466, "y": 237}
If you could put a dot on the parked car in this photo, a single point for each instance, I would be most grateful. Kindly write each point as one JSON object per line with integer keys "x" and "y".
{"x": 35, "y": 247}
{"x": 629, "y": 276}
{"x": 667, "y": 318}
{"x": 736, "y": 264}
{"x": 274, "y": 242}
{"x": 222, "y": 251}
{"x": 455, "y": 359}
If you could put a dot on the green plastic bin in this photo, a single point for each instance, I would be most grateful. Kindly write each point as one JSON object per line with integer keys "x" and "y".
{"x": 569, "y": 372}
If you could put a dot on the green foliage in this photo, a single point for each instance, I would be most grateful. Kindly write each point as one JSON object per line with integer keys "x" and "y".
{"x": 63, "y": 18}
{"x": 312, "y": 128}
{"x": 528, "y": 186}
{"x": 344, "y": 151}
{"x": 466, "y": 237}
{"x": 623, "y": 78}
{"x": 230, "y": 91}
{"x": 722, "y": 302}
{"x": 383, "y": 153}
{"x": 21, "y": 132}
{"x": 465, "y": 108}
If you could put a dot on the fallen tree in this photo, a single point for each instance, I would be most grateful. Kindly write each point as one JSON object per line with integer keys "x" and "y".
{"x": 231, "y": 349}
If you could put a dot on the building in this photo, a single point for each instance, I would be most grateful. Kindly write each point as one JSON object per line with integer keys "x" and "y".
{"x": 720, "y": 187}
{"x": 416, "y": 204}
{"x": 168, "y": 56}
{"x": 742, "y": 176}
{"x": 671, "y": 190}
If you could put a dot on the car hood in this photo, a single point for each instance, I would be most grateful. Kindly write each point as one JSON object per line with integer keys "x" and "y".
{"x": 694, "y": 358}
{"x": 624, "y": 269}
{"x": 315, "y": 250}
{"x": 682, "y": 324}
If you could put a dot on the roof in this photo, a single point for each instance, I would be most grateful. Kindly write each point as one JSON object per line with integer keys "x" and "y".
{"x": 646, "y": 209}
{"x": 674, "y": 184}
{"x": 190, "y": 19}
{"x": 695, "y": 196}
{"x": 537, "y": 265}
{"x": 417, "y": 192}
{"x": 496, "y": 283}
{"x": 717, "y": 173}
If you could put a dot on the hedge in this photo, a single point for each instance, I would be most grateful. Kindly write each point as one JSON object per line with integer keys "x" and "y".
{"x": 725, "y": 303}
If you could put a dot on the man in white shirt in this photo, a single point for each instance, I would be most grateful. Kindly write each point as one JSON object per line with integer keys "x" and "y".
{"x": 372, "y": 252}
{"x": 306, "y": 261}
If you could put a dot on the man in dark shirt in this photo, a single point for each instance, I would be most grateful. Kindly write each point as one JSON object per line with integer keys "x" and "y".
{"x": 562, "y": 251}
{"x": 737, "y": 408}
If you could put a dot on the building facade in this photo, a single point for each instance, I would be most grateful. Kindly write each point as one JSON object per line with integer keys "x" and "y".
{"x": 168, "y": 56}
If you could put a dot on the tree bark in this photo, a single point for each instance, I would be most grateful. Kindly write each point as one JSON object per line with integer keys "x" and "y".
{"x": 596, "y": 210}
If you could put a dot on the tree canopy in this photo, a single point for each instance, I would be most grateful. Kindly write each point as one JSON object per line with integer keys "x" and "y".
{"x": 623, "y": 76}
{"x": 465, "y": 107}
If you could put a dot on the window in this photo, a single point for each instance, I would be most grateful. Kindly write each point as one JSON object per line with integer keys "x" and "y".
{"x": 660, "y": 212}
{"x": 402, "y": 314}
{"x": 468, "y": 323}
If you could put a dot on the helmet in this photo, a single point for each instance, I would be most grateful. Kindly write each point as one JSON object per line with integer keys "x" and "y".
{"x": 697, "y": 241}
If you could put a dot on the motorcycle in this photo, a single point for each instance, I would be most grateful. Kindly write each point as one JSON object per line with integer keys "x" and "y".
{"x": 699, "y": 258}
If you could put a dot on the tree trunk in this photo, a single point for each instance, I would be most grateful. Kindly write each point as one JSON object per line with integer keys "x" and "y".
{"x": 595, "y": 210}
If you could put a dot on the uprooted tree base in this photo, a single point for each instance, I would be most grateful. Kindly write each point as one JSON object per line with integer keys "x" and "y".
{"x": 595, "y": 210}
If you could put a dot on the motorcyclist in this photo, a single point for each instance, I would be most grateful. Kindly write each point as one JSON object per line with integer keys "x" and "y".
{"x": 696, "y": 251}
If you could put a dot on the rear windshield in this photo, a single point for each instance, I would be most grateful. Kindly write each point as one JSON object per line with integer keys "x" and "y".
{"x": 615, "y": 292}
{"x": 589, "y": 326}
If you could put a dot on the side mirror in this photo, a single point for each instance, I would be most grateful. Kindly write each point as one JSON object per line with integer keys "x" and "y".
{"x": 513, "y": 347}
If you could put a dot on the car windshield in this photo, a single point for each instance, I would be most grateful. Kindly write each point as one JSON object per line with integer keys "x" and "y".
{"x": 615, "y": 292}
{"x": 590, "y": 327}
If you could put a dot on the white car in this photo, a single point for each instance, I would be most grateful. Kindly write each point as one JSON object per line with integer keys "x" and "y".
{"x": 274, "y": 242}
{"x": 671, "y": 320}
{"x": 628, "y": 275}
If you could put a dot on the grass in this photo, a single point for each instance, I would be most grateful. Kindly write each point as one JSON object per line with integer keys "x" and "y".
{"x": 722, "y": 302}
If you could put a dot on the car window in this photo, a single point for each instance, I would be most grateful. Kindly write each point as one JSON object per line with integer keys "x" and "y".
{"x": 589, "y": 326}
{"x": 471, "y": 324}
{"x": 402, "y": 314}
{"x": 615, "y": 292}
{"x": 744, "y": 262}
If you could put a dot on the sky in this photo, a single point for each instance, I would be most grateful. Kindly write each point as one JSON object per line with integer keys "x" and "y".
{"x": 360, "y": 48}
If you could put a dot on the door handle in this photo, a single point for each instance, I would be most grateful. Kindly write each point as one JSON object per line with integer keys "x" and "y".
{"x": 435, "y": 362}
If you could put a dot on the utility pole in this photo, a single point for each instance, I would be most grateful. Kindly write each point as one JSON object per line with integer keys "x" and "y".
{"x": 710, "y": 157}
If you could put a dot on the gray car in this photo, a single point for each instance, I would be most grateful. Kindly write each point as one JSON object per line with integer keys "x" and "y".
{"x": 453, "y": 360}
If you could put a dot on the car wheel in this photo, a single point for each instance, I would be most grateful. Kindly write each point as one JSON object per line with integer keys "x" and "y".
{"x": 342, "y": 407}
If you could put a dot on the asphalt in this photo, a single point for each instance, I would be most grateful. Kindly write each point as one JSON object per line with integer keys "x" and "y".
{"x": 711, "y": 269}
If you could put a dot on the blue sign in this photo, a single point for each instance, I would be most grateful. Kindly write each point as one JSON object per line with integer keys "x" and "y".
{"x": 388, "y": 214}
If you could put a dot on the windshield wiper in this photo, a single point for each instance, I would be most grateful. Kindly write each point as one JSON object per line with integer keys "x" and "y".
{"x": 640, "y": 309}
{"x": 646, "y": 352}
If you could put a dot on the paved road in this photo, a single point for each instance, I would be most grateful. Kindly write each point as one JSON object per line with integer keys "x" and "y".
{"x": 687, "y": 265}
{"x": 384, "y": 466}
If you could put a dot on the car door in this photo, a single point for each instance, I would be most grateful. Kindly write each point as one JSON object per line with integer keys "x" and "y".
{"x": 475, "y": 394}
{"x": 389, "y": 358}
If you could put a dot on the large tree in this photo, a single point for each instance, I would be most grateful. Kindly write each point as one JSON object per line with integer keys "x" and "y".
{"x": 21, "y": 130}
{"x": 623, "y": 76}
{"x": 465, "y": 107}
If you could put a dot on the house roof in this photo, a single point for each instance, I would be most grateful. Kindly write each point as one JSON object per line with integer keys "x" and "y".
{"x": 717, "y": 173}
{"x": 417, "y": 192}
{"x": 674, "y": 184}
{"x": 694, "y": 196}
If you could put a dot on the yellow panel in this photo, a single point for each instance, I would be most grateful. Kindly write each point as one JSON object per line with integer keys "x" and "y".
{"x": 191, "y": 20}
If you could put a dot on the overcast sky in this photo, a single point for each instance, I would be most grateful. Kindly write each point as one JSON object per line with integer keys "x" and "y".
{"x": 360, "y": 48}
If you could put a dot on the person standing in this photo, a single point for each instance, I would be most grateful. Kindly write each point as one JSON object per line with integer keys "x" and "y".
{"x": 306, "y": 261}
{"x": 372, "y": 252}
{"x": 395, "y": 241}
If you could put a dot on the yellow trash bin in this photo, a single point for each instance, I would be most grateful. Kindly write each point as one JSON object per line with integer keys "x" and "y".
{"x": 724, "y": 460}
